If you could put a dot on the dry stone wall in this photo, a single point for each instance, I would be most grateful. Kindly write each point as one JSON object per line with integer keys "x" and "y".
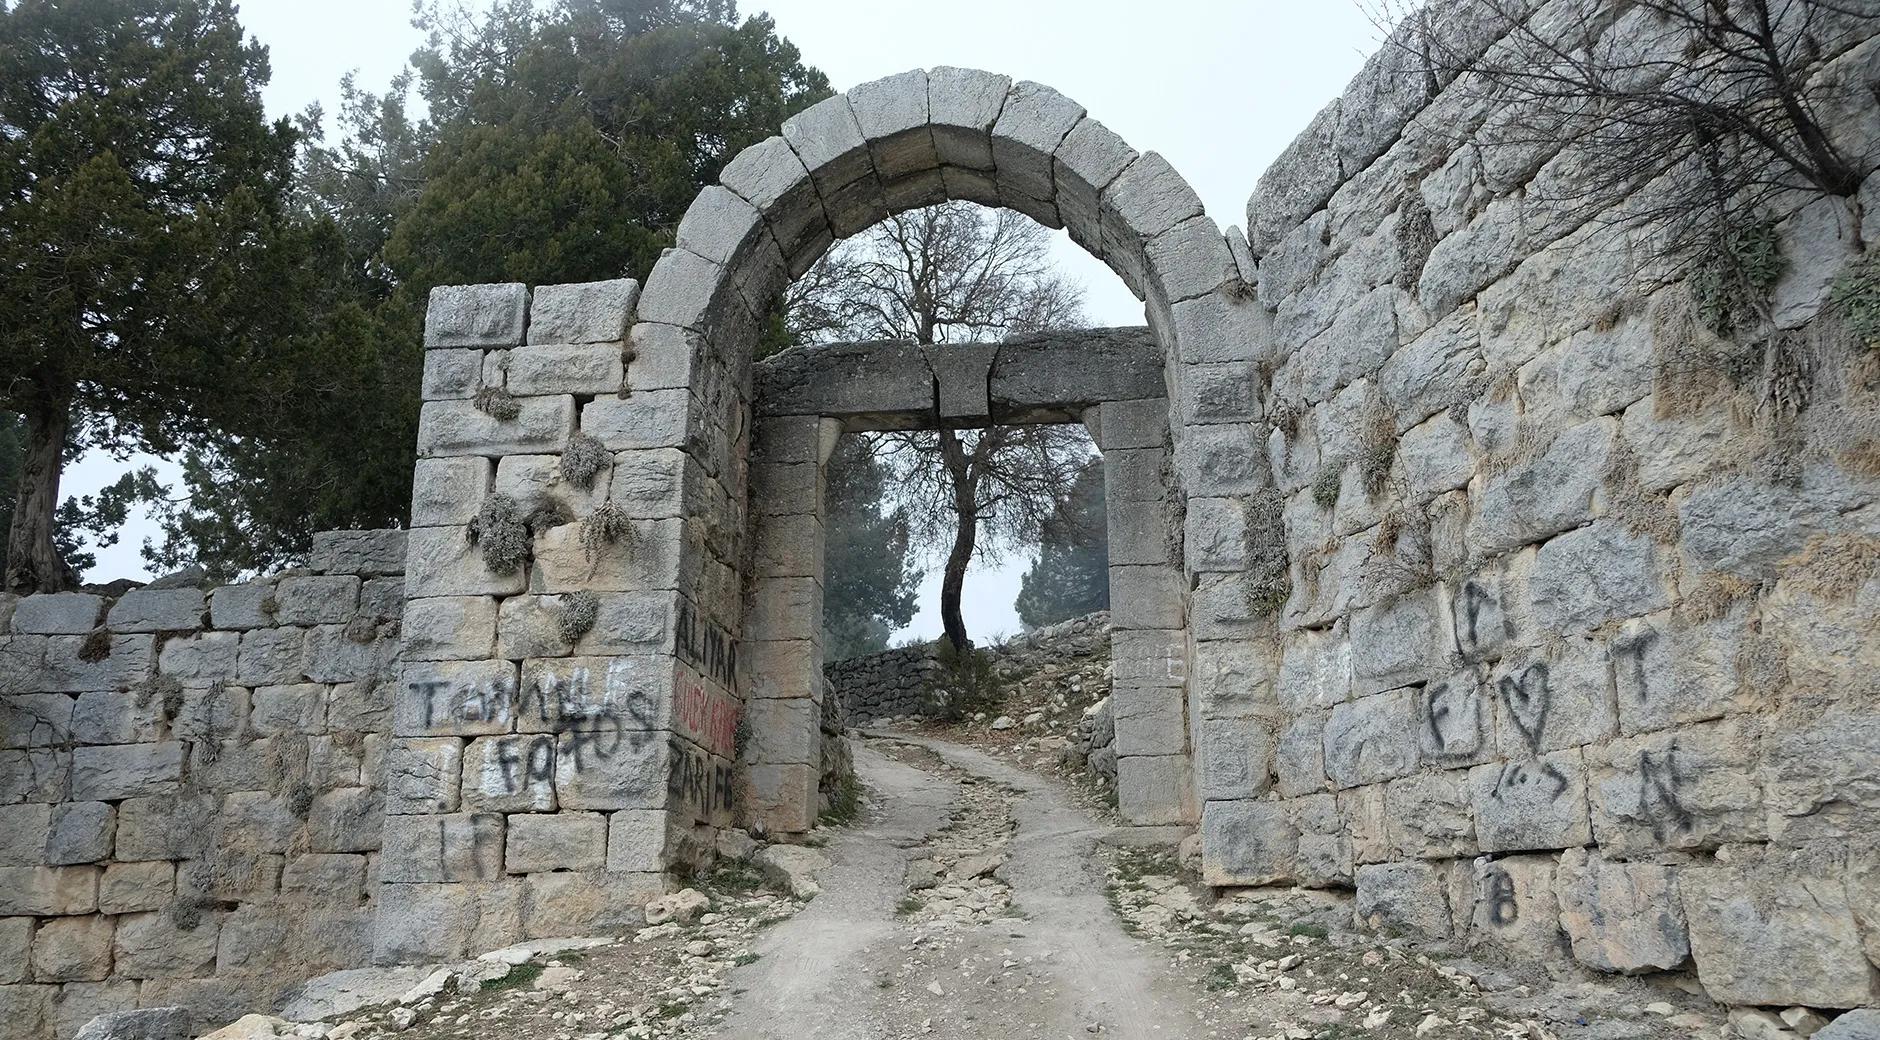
{"x": 191, "y": 787}
{"x": 1577, "y": 657}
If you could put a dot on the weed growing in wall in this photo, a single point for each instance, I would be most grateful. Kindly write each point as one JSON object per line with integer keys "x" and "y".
{"x": 96, "y": 647}
{"x": 1735, "y": 274}
{"x": 576, "y": 614}
{"x": 496, "y": 402}
{"x": 583, "y": 459}
{"x": 1855, "y": 298}
{"x": 603, "y": 528}
{"x": 1269, "y": 581}
{"x": 1325, "y": 488}
{"x": 500, "y": 531}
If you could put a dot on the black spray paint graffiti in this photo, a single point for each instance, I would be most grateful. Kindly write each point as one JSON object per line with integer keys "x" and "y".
{"x": 1451, "y": 719}
{"x": 706, "y": 647}
{"x": 1478, "y": 620}
{"x": 1515, "y": 776}
{"x": 1528, "y": 699}
{"x": 1658, "y": 785}
{"x": 1629, "y": 655}
{"x": 1498, "y": 889}
{"x": 699, "y": 782}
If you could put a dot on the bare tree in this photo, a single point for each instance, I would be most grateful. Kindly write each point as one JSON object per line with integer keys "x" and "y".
{"x": 1691, "y": 127}
{"x": 1697, "y": 115}
{"x": 955, "y": 273}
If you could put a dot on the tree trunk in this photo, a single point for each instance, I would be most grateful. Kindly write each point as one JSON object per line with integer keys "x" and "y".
{"x": 965, "y": 533}
{"x": 33, "y": 563}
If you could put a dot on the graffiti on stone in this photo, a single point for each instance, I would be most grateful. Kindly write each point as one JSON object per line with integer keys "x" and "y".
{"x": 1498, "y": 891}
{"x": 1628, "y": 658}
{"x": 1449, "y": 714}
{"x": 1528, "y": 699}
{"x": 1516, "y": 776}
{"x": 1659, "y": 782}
{"x": 707, "y": 647}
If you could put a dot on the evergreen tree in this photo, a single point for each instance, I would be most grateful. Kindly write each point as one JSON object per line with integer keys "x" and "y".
{"x": 1071, "y": 577}
{"x": 561, "y": 145}
{"x": 871, "y": 588}
{"x": 143, "y": 239}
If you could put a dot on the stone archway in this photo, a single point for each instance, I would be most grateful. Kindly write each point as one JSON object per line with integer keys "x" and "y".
{"x": 899, "y": 143}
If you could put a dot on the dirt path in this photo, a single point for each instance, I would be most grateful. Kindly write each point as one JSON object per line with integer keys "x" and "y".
{"x": 1028, "y": 948}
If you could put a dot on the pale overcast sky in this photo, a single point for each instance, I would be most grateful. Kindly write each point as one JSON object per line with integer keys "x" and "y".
{"x": 1219, "y": 87}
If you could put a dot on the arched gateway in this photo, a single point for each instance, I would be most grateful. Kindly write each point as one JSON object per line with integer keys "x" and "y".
{"x": 692, "y": 700}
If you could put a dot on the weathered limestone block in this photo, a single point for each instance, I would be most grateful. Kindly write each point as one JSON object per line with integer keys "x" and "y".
{"x": 784, "y": 730}
{"x": 299, "y": 708}
{"x": 1087, "y": 161}
{"x": 1153, "y": 789}
{"x": 36, "y": 719}
{"x": 1622, "y": 917}
{"x": 636, "y": 841}
{"x": 444, "y": 628}
{"x": 1230, "y": 679}
{"x": 271, "y": 655}
{"x": 326, "y": 877}
{"x": 73, "y": 949}
{"x": 1428, "y": 815}
{"x": 1352, "y": 348}
{"x": 16, "y": 937}
{"x": 609, "y": 770}
{"x": 1435, "y": 457}
{"x": 1221, "y": 392}
{"x": 1546, "y": 495}
{"x": 1297, "y": 183}
{"x": 1370, "y": 740}
{"x": 421, "y": 775}
{"x": 1324, "y": 855}
{"x": 566, "y": 369}
{"x": 316, "y": 600}
{"x": 202, "y": 657}
{"x": 1190, "y": 260}
{"x": 463, "y": 698}
{"x": 1537, "y": 803}
{"x": 535, "y": 481}
{"x": 448, "y": 428}
{"x": 1034, "y": 121}
{"x": 513, "y": 774}
{"x": 348, "y": 653}
{"x": 248, "y": 605}
{"x": 1694, "y": 787}
{"x": 153, "y": 946}
{"x": 1599, "y": 573}
{"x": 80, "y": 832}
{"x": 1439, "y": 369}
{"x": 1395, "y": 643}
{"x": 59, "y": 613}
{"x": 117, "y": 718}
{"x": 452, "y": 375}
{"x": 157, "y": 610}
{"x": 582, "y": 312}
{"x": 1454, "y": 719}
{"x": 828, "y": 139}
{"x": 1465, "y": 262}
{"x": 128, "y": 888}
{"x": 563, "y": 841}
{"x": 1747, "y": 527}
{"x": 770, "y": 177}
{"x": 1299, "y": 757}
{"x": 476, "y": 315}
{"x": 446, "y": 492}
{"x": 586, "y": 902}
{"x": 1669, "y": 671}
{"x": 646, "y": 419}
{"x": 1315, "y": 668}
{"x": 1222, "y": 459}
{"x": 442, "y": 561}
{"x": 1247, "y": 843}
{"x": 1146, "y": 597}
{"x": 1558, "y": 698}
{"x": 349, "y": 819}
{"x": 48, "y": 891}
{"x": 1235, "y": 757}
{"x": 26, "y": 827}
{"x": 127, "y": 770}
{"x": 1403, "y": 898}
{"x": 1817, "y": 775}
{"x": 441, "y": 848}
{"x": 1511, "y": 907}
{"x": 1766, "y": 934}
